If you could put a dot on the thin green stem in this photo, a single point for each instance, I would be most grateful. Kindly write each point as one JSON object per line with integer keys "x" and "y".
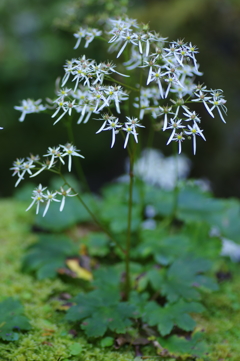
{"x": 176, "y": 186}
{"x": 128, "y": 239}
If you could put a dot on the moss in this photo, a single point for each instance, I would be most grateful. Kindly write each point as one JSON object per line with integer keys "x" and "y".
{"x": 49, "y": 340}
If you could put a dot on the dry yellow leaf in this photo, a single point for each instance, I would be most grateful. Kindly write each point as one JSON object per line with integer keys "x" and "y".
{"x": 81, "y": 272}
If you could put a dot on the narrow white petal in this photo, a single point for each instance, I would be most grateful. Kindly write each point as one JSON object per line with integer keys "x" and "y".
{"x": 62, "y": 204}
{"x": 77, "y": 43}
{"x": 122, "y": 49}
{"x": 126, "y": 140}
{"x": 147, "y": 48}
{"x": 69, "y": 162}
{"x": 171, "y": 136}
{"x": 38, "y": 172}
{"x": 31, "y": 205}
{"x": 61, "y": 116}
{"x": 194, "y": 144}
{"x": 101, "y": 127}
{"x": 46, "y": 208}
{"x": 208, "y": 109}
{"x": 113, "y": 138}
{"x": 221, "y": 116}
{"x": 149, "y": 75}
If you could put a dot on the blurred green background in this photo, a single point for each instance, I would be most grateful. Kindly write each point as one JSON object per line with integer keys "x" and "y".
{"x": 36, "y": 39}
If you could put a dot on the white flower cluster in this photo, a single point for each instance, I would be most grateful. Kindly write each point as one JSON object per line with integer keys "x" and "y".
{"x": 87, "y": 34}
{"x": 23, "y": 166}
{"x": 29, "y": 106}
{"x": 173, "y": 68}
{"x": 155, "y": 169}
{"x": 170, "y": 69}
{"x": 39, "y": 197}
{"x": 89, "y": 100}
{"x": 111, "y": 123}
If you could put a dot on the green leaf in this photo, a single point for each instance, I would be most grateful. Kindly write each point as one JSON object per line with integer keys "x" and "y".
{"x": 183, "y": 278}
{"x": 114, "y": 208}
{"x": 75, "y": 349}
{"x": 165, "y": 318}
{"x": 202, "y": 244}
{"x": 139, "y": 300}
{"x": 98, "y": 314}
{"x": 118, "y": 193}
{"x": 12, "y": 319}
{"x": 162, "y": 200}
{"x": 117, "y": 214}
{"x": 97, "y": 244}
{"x": 179, "y": 346}
{"x": 197, "y": 205}
{"x": 101, "y": 310}
{"x": 107, "y": 341}
{"x": 228, "y": 221}
{"x": 165, "y": 248}
{"x": 48, "y": 254}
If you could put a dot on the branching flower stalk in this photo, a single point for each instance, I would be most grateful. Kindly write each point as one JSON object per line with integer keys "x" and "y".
{"x": 129, "y": 224}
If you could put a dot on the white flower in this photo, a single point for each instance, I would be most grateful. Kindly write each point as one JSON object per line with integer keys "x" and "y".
{"x": 134, "y": 123}
{"x": 219, "y": 103}
{"x": 193, "y": 131}
{"x": 130, "y": 130}
{"x": 115, "y": 93}
{"x": 70, "y": 150}
{"x": 112, "y": 125}
{"x": 191, "y": 51}
{"x": 62, "y": 93}
{"x": 165, "y": 110}
{"x": 29, "y": 106}
{"x": 49, "y": 197}
{"x": 66, "y": 107}
{"x": 20, "y": 167}
{"x": 191, "y": 115}
{"x": 54, "y": 153}
{"x": 201, "y": 97}
{"x": 38, "y": 197}
{"x": 79, "y": 35}
{"x": 155, "y": 169}
{"x": 156, "y": 76}
{"x": 179, "y": 138}
{"x": 174, "y": 126}
{"x": 65, "y": 193}
{"x": 127, "y": 38}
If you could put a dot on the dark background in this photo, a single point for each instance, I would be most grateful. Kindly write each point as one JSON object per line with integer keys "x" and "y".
{"x": 36, "y": 39}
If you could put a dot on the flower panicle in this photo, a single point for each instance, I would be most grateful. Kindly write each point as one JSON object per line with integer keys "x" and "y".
{"x": 23, "y": 166}
{"x": 40, "y": 197}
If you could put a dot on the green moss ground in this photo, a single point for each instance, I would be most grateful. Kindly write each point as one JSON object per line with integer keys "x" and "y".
{"x": 49, "y": 340}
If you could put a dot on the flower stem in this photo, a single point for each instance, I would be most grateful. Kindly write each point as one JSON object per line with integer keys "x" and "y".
{"x": 128, "y": 240}
{"x": 176, "y": 186}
